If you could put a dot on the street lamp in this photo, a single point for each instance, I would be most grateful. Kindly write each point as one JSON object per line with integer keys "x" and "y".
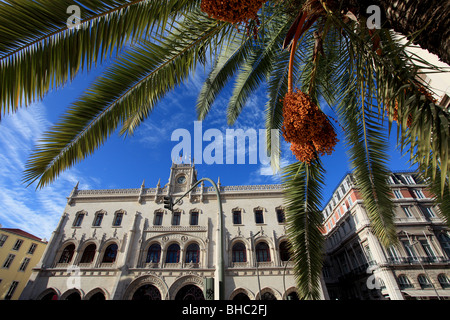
{"x": 220, "y": 260}
{"x": 284, "y": 279}
{"x": 256, "y": 261}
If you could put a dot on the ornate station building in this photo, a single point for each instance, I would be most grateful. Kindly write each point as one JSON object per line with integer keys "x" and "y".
{"x": 123, "y": 244}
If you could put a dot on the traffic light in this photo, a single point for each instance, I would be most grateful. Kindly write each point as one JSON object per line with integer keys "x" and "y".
{"x": 168, "y": 204}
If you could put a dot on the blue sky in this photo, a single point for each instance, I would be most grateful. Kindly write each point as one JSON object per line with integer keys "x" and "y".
{"x": 125, "y": 163}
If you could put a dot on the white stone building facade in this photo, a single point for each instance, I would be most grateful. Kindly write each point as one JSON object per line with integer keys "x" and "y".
{"x": 122, "y": 244}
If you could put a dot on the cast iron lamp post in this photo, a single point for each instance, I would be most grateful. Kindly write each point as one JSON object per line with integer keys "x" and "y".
{"x": 169, "y": 204}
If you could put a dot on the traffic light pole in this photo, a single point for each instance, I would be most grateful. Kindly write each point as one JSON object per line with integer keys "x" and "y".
{"x": 220, "y": 259}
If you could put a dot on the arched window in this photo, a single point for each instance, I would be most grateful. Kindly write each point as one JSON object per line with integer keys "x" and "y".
{"x": 192, "y": 253}
{"x": 262, "y": 252}
{"x": 88, "y": 254}
{"x": 118, "y": 219}
{"x": 293, "y": 296}
{"x": 98, "y": 219}
{"x": 99, "y": 296}
{"x": 239, "y": 252}
{"x": 67, "y": 254}
{"x": 285, "y": 255}
{"x": 444, "y": 281}
{"x": 241, "y": 297}
{"x": 237, "y": 217}
{"x": 173, "y": 253}
{"x": 158, "y": 219}
{"x": 404, "y": 282}
{"x": 194, "y": 218}
{"x": 190, "y": 292}
{"x": 110, "y": 253}
{"x": 176, "y": 218}
{"x": 147, "y": 292}
{"x": 78, "y": 219}
{"x": 268, "y": 296}
{"x": 74, "y": 296}
{"x": 444, "y": 239}
{"x": 280, "y": 215}
{"x": 259, "y": 217}
{"x": 424, "y": 281}
{"x": 51, "y": 295}
{"x": 153, "y": 253}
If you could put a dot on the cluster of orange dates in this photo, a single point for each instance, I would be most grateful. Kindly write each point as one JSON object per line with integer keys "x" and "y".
{"x": 428, "y": 96}
{"x": 306, "y": 127}
{"x": 234, "y": 11}
{"x": 395, "y": 115}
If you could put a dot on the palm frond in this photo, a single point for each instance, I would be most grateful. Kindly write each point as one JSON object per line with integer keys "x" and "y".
{"x": 368, "y": 153}
{"x": 125, "y": 94}
{"x": 225, "y": 67}
{"x": 39, "y": 52}
{"x": 365, "y": 137}
{"x": 256, "y": 68}
{"x": 277, "y": 87}
{"x": 423, "y": 126}
{"x": 302, "y": 196}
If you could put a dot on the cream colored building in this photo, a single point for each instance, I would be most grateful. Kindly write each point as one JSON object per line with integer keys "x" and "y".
{"x": 20, "y": 251}
{"x": 123, "y": 244}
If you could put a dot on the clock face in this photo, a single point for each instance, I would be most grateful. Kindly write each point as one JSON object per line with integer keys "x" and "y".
{"x": 181, "y": 179}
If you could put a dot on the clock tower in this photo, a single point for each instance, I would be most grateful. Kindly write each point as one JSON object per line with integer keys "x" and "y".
{"x": 182, "y": 177}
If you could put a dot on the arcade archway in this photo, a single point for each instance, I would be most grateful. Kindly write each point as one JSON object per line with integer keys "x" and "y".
{"x": 147, "y": 292}
{"x": 190, "y": 292}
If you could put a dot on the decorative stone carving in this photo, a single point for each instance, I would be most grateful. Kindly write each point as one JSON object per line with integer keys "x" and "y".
{"x": 149, "y": 278}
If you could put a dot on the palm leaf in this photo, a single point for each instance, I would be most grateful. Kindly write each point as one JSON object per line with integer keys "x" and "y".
{"x": 277, "y": 87}
{"x": 302, "y": 196}
{"x": 125, "y": 94}
{"x": 39, "y": 52}
{"x": 225, "y": 67}
{"x": 368, "y": 153}
{"x": 365, "y": 136}
{"x": 257, "y": 67}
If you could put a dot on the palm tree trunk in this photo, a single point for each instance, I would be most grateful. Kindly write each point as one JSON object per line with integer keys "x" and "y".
{"x": 409, "y": 16}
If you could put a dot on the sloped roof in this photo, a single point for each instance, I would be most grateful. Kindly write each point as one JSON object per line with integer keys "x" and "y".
{"x": 22, "y": 233}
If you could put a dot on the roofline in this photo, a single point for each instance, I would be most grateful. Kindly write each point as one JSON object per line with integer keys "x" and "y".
{"x": 351, "y": 173}
{"x": 23, "y": 234}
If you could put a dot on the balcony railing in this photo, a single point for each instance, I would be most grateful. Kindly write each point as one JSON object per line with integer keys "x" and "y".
{"x": 60, "y": 265}
{"x": 417, "y": 260}
{"x": 151, "y": 265}
{"x": 265, "y": 264}
{"x": 240, "y": 264}
{"x": 107, "y": 265}
{"x": 357, "y": 271}
{"x": 85, "y": 265}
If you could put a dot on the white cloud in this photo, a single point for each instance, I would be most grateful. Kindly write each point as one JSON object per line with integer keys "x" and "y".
{"x": 264, "y": 174}
{"x": 34, "y": 211}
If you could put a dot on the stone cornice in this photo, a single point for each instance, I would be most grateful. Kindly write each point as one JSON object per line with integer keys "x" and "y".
{"x": 176, "y": 229}
{"x": 265, "y": 190}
